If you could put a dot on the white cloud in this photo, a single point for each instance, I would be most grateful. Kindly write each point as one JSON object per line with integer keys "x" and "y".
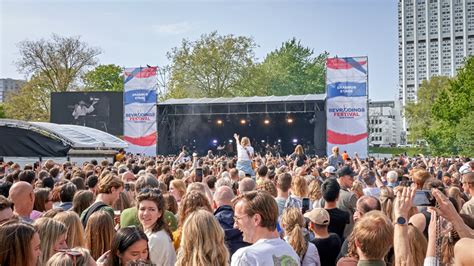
{"x": 173, "y": 29}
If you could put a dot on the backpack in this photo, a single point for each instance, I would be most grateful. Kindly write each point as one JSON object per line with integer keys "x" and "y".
{"x": 93, "y": 208}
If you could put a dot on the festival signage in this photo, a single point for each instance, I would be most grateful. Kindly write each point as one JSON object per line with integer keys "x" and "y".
{"x": 346, "y": 104}
{"x": 139, "y": 99}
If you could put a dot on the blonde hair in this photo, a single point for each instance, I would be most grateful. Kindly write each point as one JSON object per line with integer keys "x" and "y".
{"x": 99, "y": 233}
{"x": 418, "y": 245}
{"x": 245, "y": 142}
{"x": 16, "y": 239}
{"x": 75, "y": 231}
{"x": 62, "y": 258}
{"x": 373, "y": 234}
{"x": 293, "y": 222}
{"x": 357, "y": 188}
{"x": 49, "y": 231}
{"x": 314, "y": 188}
{"x": 335, "y": 150}
{"x": 207, "y": 246}
{"x": 420, "y": 177}
{"x": 192, "y": 201}
{"x": 386, "y": 200}
{"x": 299, "y": 150}
{"x": 299, "y": 186}
{"x": 180, "y": 186}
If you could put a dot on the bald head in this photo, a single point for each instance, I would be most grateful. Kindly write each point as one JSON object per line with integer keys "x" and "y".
{"x": 23, "y": 198}
{"x": 366, "y": 204}
{"x": 223, "y": 196}
{"x": 19, "y": 191}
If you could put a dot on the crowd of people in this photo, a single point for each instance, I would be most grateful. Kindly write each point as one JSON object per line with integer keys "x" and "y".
{"x": 243, "y": 210}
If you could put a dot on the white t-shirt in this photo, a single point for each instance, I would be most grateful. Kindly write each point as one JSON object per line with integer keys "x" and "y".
{"x": 242, "y": 154}
{"x": 372, "y": 191}
{"x": 266, "y": 252}
{"x": 161, "y": 248}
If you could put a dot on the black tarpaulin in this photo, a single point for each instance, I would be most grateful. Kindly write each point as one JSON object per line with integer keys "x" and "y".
{"x": 18, "y": 142}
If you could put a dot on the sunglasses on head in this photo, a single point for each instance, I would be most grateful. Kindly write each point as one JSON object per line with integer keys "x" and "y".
{"x": 151, "y": 190}
{"x": 71, "y": 253}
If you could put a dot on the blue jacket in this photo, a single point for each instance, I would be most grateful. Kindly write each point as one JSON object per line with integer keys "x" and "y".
{"x": 233, "y": 237}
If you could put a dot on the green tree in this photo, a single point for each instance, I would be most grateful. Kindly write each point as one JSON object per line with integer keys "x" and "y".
{"x": 213, "y": 66}
{"x": 61, "y": 60}
{"x": 418, "y": 113}
{"x": 31, "y": 102}
{"x": 291, "y": 69}
{"x": 2, "y": 111}
{"x": 104, "y": 78}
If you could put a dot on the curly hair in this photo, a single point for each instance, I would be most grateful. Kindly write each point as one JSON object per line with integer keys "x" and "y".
{"x": 192, "y": 201}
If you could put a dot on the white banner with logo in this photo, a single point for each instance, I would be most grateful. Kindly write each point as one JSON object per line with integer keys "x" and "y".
{"x": 139, "y": 98}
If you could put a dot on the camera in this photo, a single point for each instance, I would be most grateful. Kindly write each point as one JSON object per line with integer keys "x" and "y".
{"x": 424, "y": 198}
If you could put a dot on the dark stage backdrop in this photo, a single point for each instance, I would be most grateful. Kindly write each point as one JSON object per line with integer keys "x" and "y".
{"x": 99, "y": 110}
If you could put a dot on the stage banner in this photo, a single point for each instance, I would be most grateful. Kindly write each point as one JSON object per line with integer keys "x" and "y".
{"x": 139, "y": 99}
{"x": 346, "y": 105}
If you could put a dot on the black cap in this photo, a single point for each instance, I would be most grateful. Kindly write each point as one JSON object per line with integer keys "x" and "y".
{"x": 345, "y": 170}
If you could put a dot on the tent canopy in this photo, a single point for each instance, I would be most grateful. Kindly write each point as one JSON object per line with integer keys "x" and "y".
{"x": 20, "y": 138}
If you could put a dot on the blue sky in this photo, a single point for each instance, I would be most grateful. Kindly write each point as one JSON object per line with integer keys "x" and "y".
{"x": 134, "y": 33}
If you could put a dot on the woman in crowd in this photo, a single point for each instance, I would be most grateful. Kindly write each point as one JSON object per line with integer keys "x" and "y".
{"x": 151, "y": 207}
{"x": 314, "y": 192}
{"x": 20, "y": 245}
{"x": 177, "y": 189}
{"x": 245, "y": 155}
{"x": 357, "y": 188}
{"x": 203, "y": 241}
{"x": 129, "y": 244}
{"x": 99, "y": 233}
{"x": 386, "y": 200}
{"x": 82, "y": 200}
{"x": 299, "y": 190}
{"x": 192, "y": 201}
{"x": 298, "y": 156}
{"x": 335, "y": 159}
{"x": 71, "y": 257}
{"x": 75, "y": 231}
{"x": 53, "y": 236}
{"x": 292, "y": 222}
{"x": 43, "y": 202}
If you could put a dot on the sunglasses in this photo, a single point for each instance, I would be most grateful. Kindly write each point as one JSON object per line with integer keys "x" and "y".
{"x": 71, "y": 253}
{"x": 151, "y": 190}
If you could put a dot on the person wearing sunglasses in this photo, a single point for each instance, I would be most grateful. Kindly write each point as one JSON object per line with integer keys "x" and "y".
{"x": 151, "y": 207}
{"x": 72, "y": 257}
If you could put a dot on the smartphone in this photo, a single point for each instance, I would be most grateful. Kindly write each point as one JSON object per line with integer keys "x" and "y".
{"x": 126, "y": 187}
{"x": 424, "y": 198}
{"x": 305, "y": 205}
{"x": 198, "y": 175}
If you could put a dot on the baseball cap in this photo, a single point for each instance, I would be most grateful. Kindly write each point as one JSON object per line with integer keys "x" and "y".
{"x": 330, "y": 169}
{"x": 318, "y": 216}
{"x": 345, "y": 170}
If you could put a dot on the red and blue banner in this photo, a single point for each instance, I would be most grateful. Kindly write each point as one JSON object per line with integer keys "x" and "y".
{"x": 139, "y": 99}
{"x": 346, "y": 104}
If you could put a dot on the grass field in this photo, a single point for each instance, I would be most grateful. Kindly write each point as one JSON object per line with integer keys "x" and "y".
{"x": 395, "y": 151}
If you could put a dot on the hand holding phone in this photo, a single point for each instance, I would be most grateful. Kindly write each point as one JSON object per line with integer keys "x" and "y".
{"x": 305, "y": 205}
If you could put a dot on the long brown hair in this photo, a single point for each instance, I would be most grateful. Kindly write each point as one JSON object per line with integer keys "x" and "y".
{"x": 99, "y": 233}
{"x": 192, "y": 201}
{"x": 82, "y": 200}
{"x": 75, "y": 231}
{"x": 41, "y": 197}
{"x": 15, "y": 239}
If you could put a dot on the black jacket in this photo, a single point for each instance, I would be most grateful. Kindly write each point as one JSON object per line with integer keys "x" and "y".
{"x": 233, "y": 237}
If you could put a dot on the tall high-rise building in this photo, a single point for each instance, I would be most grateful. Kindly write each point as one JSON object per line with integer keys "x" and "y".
{"x": 434, "y": 38}
{"x": 9, "y": 85}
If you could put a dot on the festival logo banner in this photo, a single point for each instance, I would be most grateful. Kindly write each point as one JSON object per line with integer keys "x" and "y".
{"x": 139, "y": 99}
{"x": 346, "y": 104}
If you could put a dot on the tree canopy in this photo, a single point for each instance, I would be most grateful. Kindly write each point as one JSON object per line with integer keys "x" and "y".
{"x": 104, "y": 78}
{"x": 444, "y": 113}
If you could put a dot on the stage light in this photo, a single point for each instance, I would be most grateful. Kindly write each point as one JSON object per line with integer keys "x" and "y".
{"x": 219, "y": 122}
{"x": 214, "y": 141}
{"x": 279, "y": 140}
{"x": 263, "y": 141}
{"x": 231, "y": 141}
{"x": 289, "y": 120}
{"x": 243, "y": 121}
{"x": 266, "y": 121}
{"x": 295, "y": 140}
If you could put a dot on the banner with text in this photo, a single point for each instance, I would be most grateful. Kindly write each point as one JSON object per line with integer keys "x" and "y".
{"x": 346, "y": 105}
{"x": 139, "y": 99}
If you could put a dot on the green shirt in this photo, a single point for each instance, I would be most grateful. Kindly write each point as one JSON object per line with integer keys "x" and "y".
{"x": 129, "y": 217}
{"x": 107, "y": 209}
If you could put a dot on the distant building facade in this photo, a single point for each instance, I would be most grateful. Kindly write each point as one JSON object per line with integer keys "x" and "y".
{"x": 385, "y": 123}
{"x": 434, "y": 37}
{"x": 9, "y": 85}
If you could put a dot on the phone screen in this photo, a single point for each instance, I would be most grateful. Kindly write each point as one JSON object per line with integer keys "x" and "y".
{"x": 198, "y": 174}
{"x": 424, "y": 198}
{"x": 305, "y": 206}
